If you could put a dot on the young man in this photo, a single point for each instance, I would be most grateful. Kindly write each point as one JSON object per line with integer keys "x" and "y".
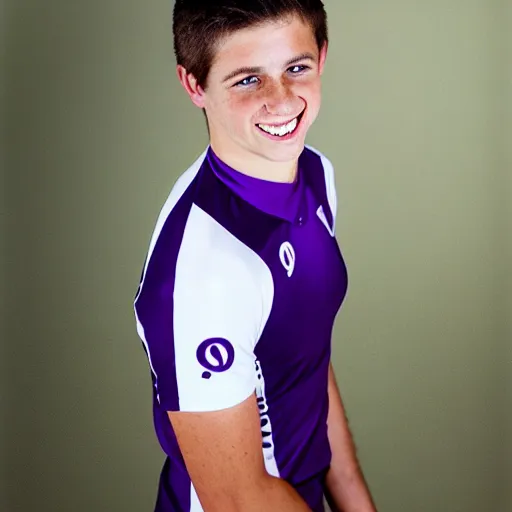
{"x": 244, "y": 277}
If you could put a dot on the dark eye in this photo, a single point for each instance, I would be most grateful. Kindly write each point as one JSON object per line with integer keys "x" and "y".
{"x": 295, "y": 70}
{"x": 246, "y": 81}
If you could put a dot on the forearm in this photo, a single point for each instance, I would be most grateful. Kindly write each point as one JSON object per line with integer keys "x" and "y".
{"x": 348, "y": 492}
{"x": 346, "y": 488}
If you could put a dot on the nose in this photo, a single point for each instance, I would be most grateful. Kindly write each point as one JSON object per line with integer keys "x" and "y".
{"x": 280, "y": 100}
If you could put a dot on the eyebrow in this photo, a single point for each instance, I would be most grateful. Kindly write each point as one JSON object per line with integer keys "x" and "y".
{"x": 256, "y": 70}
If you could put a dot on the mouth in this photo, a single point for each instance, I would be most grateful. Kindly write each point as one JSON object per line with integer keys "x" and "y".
{"x": 284, "y": 131}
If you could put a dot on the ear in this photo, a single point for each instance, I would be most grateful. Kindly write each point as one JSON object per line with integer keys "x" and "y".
{"x": 323, "y": 57}
{"x": 189, "y": 83}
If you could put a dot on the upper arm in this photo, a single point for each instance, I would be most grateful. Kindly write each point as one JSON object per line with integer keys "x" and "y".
{"x": 223, "y": 455}
{"x": 200, "y": 315}
{"x": 333, "y": 388}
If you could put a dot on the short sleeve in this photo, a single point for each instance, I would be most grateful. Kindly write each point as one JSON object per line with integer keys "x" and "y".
{"x": 215, "y": 332}
{"x": 206, "y": 320}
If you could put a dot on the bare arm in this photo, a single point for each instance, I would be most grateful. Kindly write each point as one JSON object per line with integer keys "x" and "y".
{"x": 346, "y": 488}
{"x": 223, "y": 455}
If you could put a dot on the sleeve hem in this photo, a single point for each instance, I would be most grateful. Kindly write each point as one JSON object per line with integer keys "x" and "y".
{"x": 210, "y": 404}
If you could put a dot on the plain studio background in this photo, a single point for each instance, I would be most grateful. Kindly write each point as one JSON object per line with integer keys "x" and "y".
{"x": 417, "y": 119}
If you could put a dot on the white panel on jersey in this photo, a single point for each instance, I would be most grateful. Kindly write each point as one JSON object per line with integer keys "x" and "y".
{"x": 195, "y": 504}
{"x": 330, "y": 183}
{"x": 223, "y": 293}
{"x": 266, "y": 425}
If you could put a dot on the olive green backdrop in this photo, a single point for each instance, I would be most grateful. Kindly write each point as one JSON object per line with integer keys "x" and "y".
{"x": 414, "y": 120}
{"x": 3, "y": 332}
{"x": 507, "y": 230}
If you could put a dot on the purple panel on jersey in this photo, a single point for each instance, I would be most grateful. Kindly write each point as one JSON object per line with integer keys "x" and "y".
{"x": 154, "y": 302}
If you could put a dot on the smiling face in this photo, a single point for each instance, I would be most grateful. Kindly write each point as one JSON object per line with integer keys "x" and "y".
{"x": 263, "y": 94}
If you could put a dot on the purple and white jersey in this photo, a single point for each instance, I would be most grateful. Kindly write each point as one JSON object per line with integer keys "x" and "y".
{"x": 239, "y": 293}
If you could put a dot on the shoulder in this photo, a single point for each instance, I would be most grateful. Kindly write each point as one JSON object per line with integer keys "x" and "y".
{"x": 191, "y": 242}
{"x": 326, "y": 164}
{"x": 329, "y": 177}
{"x": 174, "y": 213}
{"x": 215, "y": 264}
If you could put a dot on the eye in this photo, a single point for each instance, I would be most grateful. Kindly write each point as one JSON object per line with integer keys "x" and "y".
{"x": 295, "y": 70}
{"x": 246, "y": 81}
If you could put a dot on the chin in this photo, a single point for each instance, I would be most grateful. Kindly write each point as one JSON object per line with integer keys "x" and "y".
{"x": 285, "y": 154}
{"x": 288, "y": 156}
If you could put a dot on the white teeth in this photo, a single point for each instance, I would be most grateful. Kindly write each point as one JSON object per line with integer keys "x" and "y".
{"x": 280, "y": 131}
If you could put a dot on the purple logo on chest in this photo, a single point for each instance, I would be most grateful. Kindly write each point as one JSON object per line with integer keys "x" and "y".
{"x": 216, "y": 355}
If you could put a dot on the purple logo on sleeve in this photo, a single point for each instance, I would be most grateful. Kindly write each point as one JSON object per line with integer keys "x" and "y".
{"x": 216, "y": 355}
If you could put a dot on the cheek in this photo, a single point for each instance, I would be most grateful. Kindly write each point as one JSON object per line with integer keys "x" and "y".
{"x": 312, "y": 91}
{"x": 242, "y": 106}
{"x": 313, "y": 96}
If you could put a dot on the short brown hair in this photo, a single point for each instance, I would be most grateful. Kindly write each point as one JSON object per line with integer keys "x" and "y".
{"x": 198, "y": 25}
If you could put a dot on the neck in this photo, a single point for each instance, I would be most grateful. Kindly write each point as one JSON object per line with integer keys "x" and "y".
{"x": 257, "y": 166}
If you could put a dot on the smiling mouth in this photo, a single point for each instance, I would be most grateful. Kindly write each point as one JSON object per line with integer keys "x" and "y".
{"x": 284, "y": 129}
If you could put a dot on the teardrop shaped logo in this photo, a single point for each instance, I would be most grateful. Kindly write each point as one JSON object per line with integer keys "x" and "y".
{"x": 216, "y": 355}
{"x": 287, "y": 257}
